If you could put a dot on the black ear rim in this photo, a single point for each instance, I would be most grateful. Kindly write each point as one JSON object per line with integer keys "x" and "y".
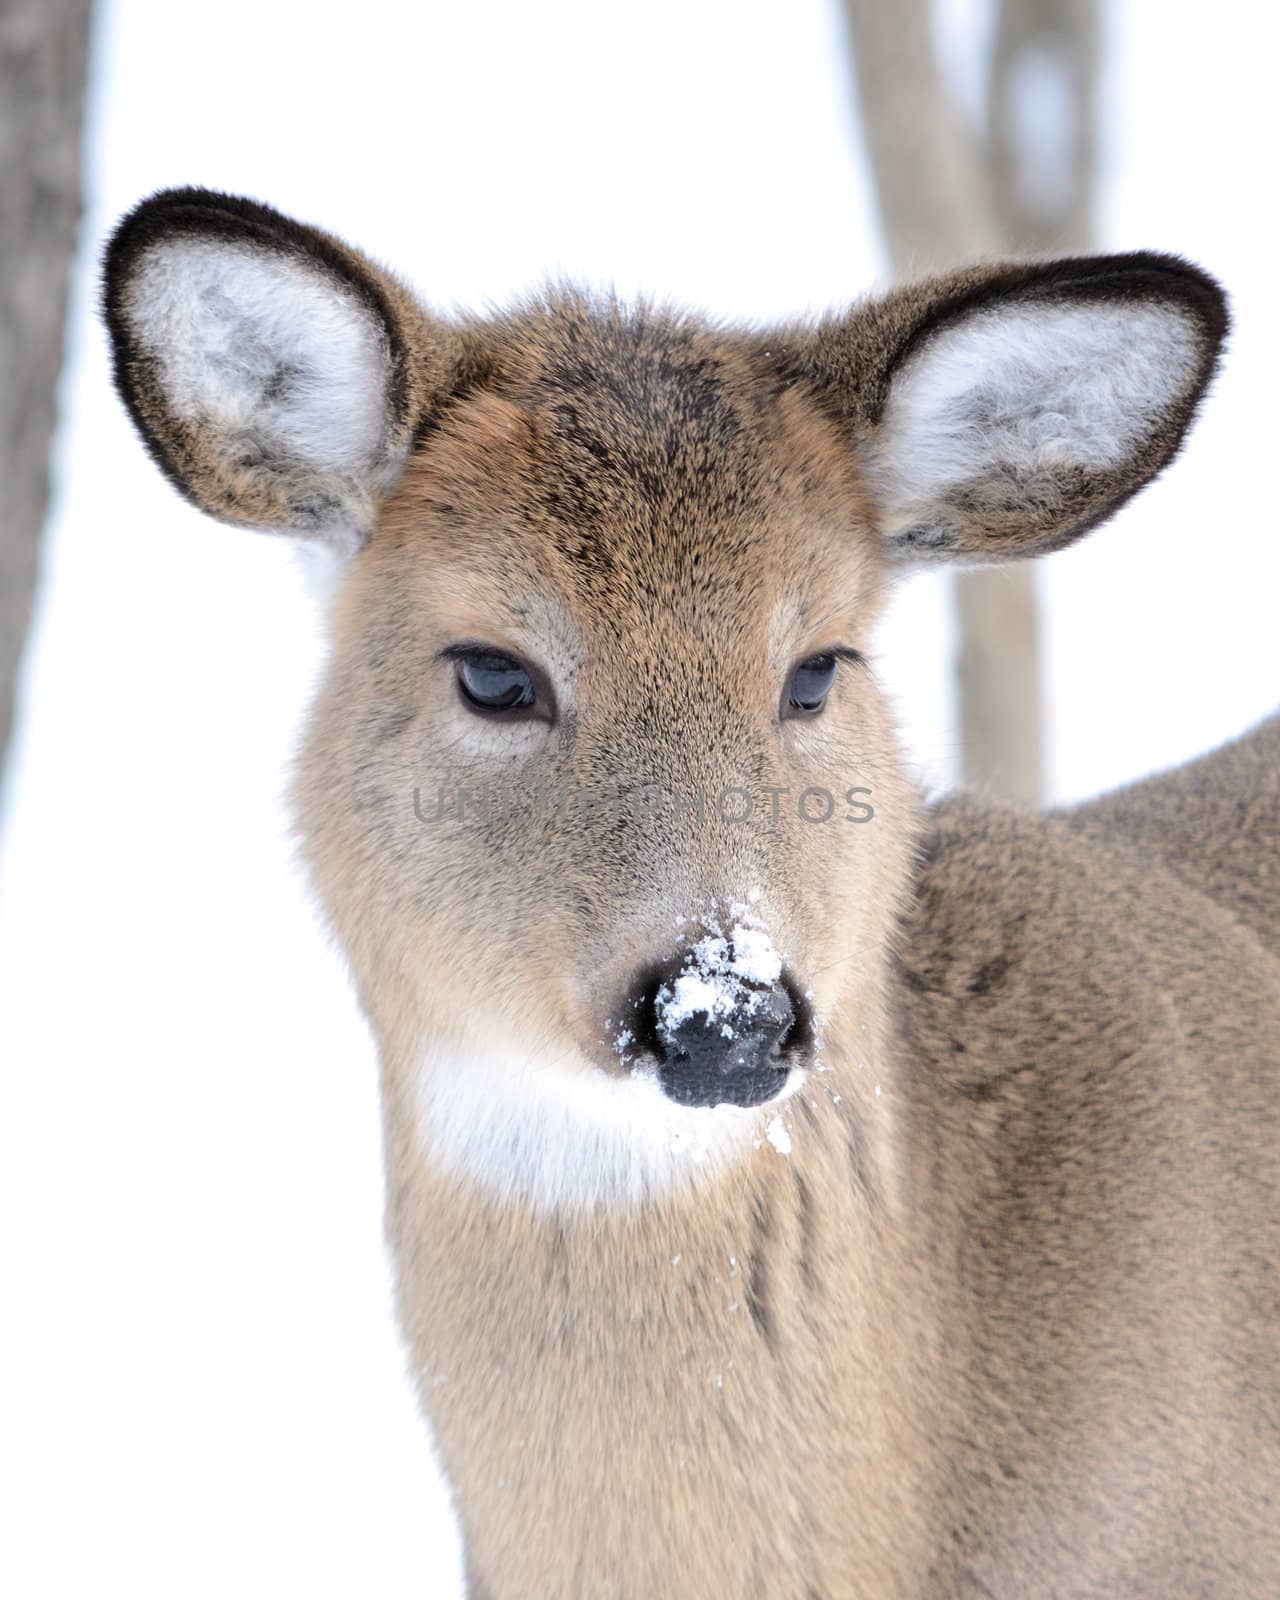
{"x": 1139, "y": 276}
{"x": 211, "y": 214}
{"x": 1135, "y": 277}
{"x": 866, "y": 347}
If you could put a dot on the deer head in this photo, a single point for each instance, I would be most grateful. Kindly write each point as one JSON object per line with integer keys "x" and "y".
{"x": 600, "y": 794}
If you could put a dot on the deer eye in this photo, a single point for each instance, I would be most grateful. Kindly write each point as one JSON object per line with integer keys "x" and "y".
{"x": 490, "y": 681}
{"x": 811, "y": 684}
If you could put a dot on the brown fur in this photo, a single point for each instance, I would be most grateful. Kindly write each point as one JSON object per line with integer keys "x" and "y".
{"x": 1004, "y": 1322}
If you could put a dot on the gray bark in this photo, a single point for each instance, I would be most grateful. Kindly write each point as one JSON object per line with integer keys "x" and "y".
{"x": 948, "y": 194}
{"x": 43, "y": 51}
{"x": 1045, "y": 47}
{"x": 934, "y": 198}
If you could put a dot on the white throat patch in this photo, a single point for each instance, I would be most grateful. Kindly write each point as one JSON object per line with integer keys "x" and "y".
{"x": 562, "y": 1134}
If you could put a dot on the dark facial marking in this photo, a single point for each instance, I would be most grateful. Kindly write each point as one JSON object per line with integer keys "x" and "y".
{"x": 758, "y": 1300}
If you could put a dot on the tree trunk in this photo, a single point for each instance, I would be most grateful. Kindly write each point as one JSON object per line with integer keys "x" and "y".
{"x": 43, "y": 51}
{"x": 931, "y": 183}
{"x": 1042, "y": 125}
{"x": 948, "y": 195}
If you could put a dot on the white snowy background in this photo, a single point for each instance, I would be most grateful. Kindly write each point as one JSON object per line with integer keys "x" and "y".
{"x": 201, "y": 1389}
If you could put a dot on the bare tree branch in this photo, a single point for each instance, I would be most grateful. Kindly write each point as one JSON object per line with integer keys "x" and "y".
{"x": 43, "y": 49}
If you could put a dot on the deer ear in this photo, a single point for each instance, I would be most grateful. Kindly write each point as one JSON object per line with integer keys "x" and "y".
{"x": 1004, "y": 411}
{"x": 278, "y": 378}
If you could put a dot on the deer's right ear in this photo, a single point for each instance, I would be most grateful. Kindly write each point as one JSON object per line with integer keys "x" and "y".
{"x": 278, "y": 378}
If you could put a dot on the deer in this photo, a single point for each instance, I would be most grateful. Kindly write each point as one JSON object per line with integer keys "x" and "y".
{"x": 796, "y": 1188}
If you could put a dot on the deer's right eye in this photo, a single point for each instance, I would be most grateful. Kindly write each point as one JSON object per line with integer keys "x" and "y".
{"x": 490, "y": 681}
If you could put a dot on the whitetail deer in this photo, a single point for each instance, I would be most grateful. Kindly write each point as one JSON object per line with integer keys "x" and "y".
{"x": 781, "y": 1206}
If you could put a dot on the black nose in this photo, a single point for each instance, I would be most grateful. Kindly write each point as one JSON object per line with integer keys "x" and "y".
{"x": 738, "y": 1051}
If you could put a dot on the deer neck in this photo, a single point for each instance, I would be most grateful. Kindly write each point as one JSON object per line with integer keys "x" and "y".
{"x": 763, "y": 1341}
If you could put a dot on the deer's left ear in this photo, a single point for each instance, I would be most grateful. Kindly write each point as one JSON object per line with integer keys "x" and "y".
{"x": 1005, "y": 410}
{"x": 277, "y": 376}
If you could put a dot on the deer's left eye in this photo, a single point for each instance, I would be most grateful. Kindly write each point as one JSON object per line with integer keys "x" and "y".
{"x": 810, "y": 685}
{"x": 490, "y": 681}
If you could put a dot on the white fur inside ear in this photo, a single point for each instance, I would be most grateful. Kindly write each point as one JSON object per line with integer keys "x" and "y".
{"x": 265, "y": 353}
{"x": 1022, "y": 392}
